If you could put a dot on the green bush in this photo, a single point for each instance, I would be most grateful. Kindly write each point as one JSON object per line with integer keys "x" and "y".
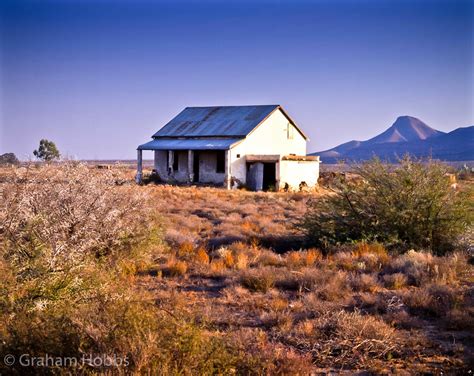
{"x": 408, "y": 205}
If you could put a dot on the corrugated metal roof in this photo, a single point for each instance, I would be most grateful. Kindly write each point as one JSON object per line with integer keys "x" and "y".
{"x": 229, "y": 121}
{"x": 190, "y": 144}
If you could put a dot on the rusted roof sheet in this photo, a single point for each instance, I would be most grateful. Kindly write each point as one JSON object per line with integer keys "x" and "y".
{"x": 262, "y": 158}
{"x": 301, "y": 158}
{"x": 190, "y": 144}
{"x": 229, "y": 121}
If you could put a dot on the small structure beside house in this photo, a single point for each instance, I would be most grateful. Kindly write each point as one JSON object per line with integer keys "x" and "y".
{"x": 259, "y": 147}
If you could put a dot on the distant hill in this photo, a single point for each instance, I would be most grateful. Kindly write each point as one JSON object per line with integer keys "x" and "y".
{"x": 407, "y": 135}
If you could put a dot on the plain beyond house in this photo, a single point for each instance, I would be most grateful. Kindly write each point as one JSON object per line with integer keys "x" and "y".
{"x": 259, "y": 147}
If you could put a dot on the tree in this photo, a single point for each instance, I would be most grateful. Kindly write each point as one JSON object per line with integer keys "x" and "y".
{"x": 9, "y": 159}
{"x": 47, "y": 151}
{"x": 408, "y": 205}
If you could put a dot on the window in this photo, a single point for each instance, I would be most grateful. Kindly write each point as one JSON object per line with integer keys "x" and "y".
{"x": 220, "y": 165}
{"x": 176, "y": 162}
{"x": 290, "y": 131}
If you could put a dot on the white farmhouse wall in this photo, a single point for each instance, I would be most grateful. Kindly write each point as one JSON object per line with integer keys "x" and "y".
{"x": 270, "y": 138}
{"x": 295, "y": 173}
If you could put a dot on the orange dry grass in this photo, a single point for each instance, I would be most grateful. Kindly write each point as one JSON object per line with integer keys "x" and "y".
{"x": 202, "y": 257}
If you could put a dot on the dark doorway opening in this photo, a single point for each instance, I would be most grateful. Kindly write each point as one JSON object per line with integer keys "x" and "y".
{"x": 196, "y": 167}
{"x": 220, "y": 161}
{"x": 269, "y": 176}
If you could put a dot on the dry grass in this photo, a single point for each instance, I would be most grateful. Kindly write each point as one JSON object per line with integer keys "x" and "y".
{"x": 248, "y": 295}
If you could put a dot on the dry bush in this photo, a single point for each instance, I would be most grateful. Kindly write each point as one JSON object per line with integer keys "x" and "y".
{"x": 298, "y": 259}
{"x": 361, "y": 257}
{"x": 395, "y": 281}
{"x": 327, "y": 284}
{"x": 337, "y": 287}
{"x": 229, "y": 260}
{"x": 460, "y": 318}
{"x": 258, "y": 280}
{"x": 269, "y": 258}
{"x": 311, "y": 256}
{"x": 241, "y": 261}
{"x": 373, "y": 255}
{"x": 433, "y": 300}
{"x": 308, "y": 279}
{"x": 422, "y": 268}
{"x": 345, "y": 339}
{"x": 202, "y": 257}
{"x": 217, "y": 267}
{"x": 361, "y": 249}
{"x": 294, "y": 259}
{"x": 186, "y": 248}
{"x": 175, "y": 268}
{"x": 347, "y": 261}
{"x": 364, "y": 282}
{"x": 262, "y": 357}
{"x": 64, "y": 237}
{"x": 67, "y": 214}
{"x": 232, "y": 259}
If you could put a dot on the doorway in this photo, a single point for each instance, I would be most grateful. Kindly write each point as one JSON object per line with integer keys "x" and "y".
{"x": 196, "y": 167}
{"x": 269, "y": 176}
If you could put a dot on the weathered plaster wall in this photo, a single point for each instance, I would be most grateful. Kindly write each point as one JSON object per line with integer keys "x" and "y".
{"x": 161, "y": 166}
{"x": 207, "y": 168}
{"x": 161, "y": 163}
{"x": 294, "y": 173}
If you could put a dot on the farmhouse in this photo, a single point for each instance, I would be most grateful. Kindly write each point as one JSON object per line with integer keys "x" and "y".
{"x": 259, "y": 147}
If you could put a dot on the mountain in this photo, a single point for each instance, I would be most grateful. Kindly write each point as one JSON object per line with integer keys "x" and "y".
{"x": 405, "y": 129}
{"x": 407, "y": 135}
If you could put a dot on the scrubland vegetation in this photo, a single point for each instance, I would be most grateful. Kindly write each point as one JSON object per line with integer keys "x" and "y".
{"x": 186, "y": 280}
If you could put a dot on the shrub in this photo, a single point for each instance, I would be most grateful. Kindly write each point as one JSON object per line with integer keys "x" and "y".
{"x": 229, "y": 260}
{"x": 186, "y": 248}
{"x": 422, "y": 268}
{"x": 364, "y": 282}
{"x": 434, "y": 300}
{"x": 217, "y": 266}
{"x": 68, "y": 244}
{"x": 409, "y": 205}
{"x": 395, "y": 281}
{"x": 202, "y": 257}
{"x": 175, "y": 268}
{"x": 269, "y": 258}
{"x": 258, "y": 280}
{"x": 311, "y": 256}
{"x": 345, "y": 338}
{"x": 241, "y": 261}
{"x": 305, "y": 280}
{"x": 294, "y": 259}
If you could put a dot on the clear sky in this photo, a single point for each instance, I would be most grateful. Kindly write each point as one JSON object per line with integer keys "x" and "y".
{"x": 100, "y": 77}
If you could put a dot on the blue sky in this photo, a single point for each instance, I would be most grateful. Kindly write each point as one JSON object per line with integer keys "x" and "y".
{"x": 100, "y": 77}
